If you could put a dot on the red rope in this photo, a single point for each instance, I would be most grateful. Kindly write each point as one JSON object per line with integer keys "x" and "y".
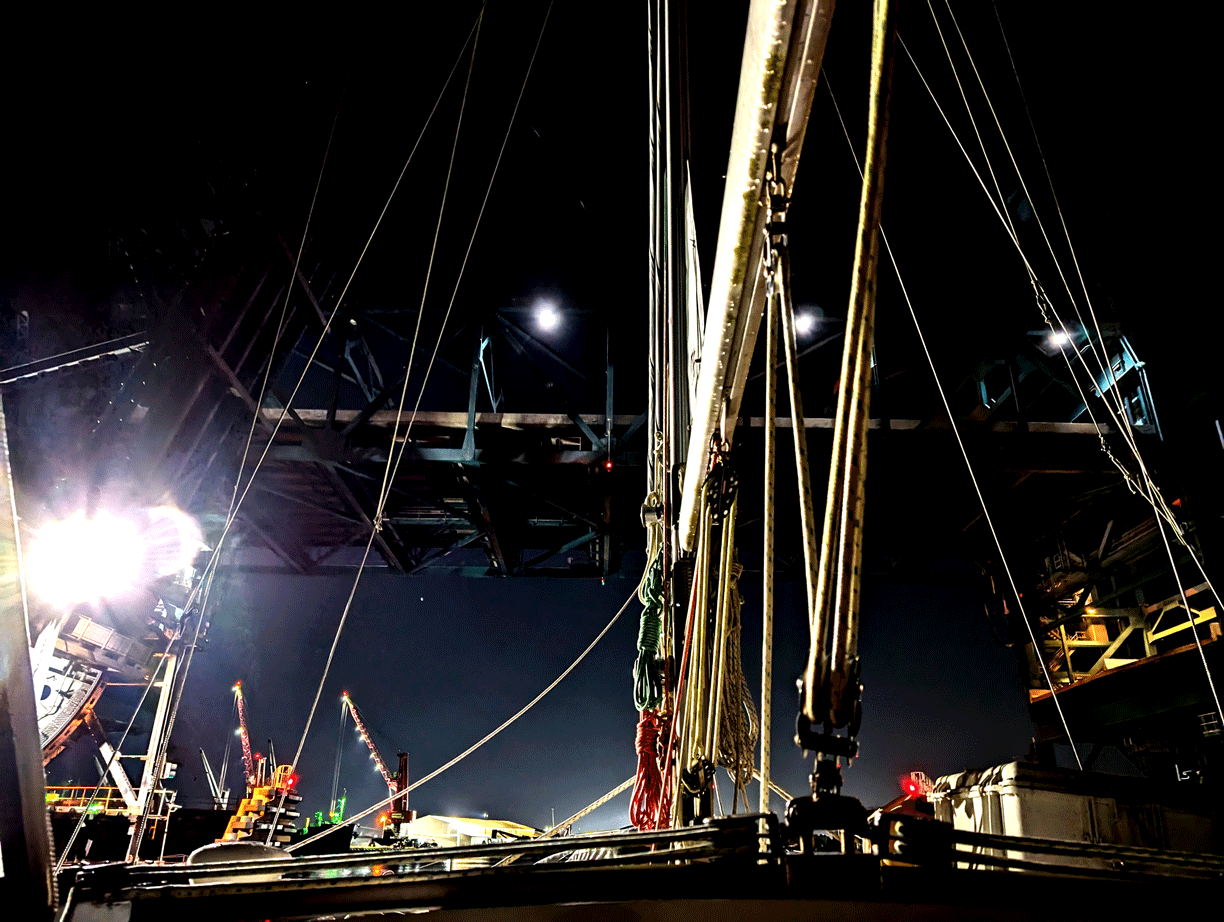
{"x": 648, "y": 787}
{"x": 662, "y": 818}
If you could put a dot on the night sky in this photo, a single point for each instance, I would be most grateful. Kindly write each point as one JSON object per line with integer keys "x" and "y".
{"x": 99, "y": 132}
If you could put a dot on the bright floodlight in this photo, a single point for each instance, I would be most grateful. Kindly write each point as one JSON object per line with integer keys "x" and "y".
{"x": 80, "y": 559}
{"x": 547, "y": 319}
{"x": 805, "y": 323}
{"x": 1059, "y": 338}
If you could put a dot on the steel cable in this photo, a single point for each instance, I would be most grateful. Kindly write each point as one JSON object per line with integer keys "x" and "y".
{"x": 956, "y": 432}
{"x": 392, "y": 461}
{"x": 467, "y": 752}
{"x": 1148, "y": 490}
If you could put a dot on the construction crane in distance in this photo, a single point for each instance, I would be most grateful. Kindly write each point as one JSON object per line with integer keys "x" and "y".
{"x": 220, "y": 793}
{"x": 248, "y": 760}
{"x": 388, "y": 778}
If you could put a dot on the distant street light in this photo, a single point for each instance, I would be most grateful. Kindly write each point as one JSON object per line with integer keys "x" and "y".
{"x": 805, "y": 323}
{"x": 547, "y": 318}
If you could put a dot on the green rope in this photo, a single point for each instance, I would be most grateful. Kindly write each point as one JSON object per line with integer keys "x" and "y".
{"x": 647, "y": 674}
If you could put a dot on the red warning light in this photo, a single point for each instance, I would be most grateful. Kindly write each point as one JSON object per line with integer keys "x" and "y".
{"x": 608, "y": 465}
{"x": 915, "y": 784}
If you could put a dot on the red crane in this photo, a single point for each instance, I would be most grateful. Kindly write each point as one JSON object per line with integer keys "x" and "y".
{"x": 248, "y": 761}
{"x": 365, "y": 736}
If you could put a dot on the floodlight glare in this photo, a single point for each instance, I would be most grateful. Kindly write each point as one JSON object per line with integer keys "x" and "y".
{"x": 1059, "y": 338}
{"x": 547, "y": 318}
{"x": 81, "y": 560}
{"x": 805, "y": 323}
{"x": 173, "y": 539}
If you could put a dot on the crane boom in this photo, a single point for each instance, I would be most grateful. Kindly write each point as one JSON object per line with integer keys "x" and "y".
{"x": 248, "y": 761}
{"x": 216, "y": 786}
{"x": 365, "y": 736}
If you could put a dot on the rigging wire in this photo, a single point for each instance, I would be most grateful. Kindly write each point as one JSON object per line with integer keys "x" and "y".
{"x": 339, "y": 757}
{"x": 76, "y": 830}
{"x": 467, "y": 752}
{"x": 1046, "y": 309}
{"x": 472, "y": 239}
{"x": 229, "y": 742}
{"x": 281, "y": 321}
{"x": 1049, "y": 180}
{"x": 1153, "y": 494}
{"x": 571, "y": 820}
{"x": 1102, "y": 360}
{"x": 1120, "y": 418}
{"x": 392, "y": 470}
{"x": 388, "y": 473}
{"x": 276, "y": 428}
{"x": 210, "y": 566}
{"x": 960, "y": 443}
{"x": 973, "y": 121}
{"x": 176, "y": 700}
{"x": 340, "y": 300}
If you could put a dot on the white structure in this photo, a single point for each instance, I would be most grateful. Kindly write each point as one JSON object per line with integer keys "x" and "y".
{"x": 1023, "y": 799}
{"x": 459, "y": 831}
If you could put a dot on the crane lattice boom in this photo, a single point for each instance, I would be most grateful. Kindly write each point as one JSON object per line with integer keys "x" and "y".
{"x": 365, "y": 736}
{"x": 248, "y": 761}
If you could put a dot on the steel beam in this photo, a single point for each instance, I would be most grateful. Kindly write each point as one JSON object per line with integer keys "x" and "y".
{"x": 338, "y": 547}
{"x": 264, "y": 488}
{"x": 228, "y": 373}
{"x": 346, "y": 493}
{"x": 430, "y": 560}
{"x": 560, "y": 549}
{"x": 25, "y": 844}
{"x": 556, "y": 395}
{"x": 53, "y": 363}
{"x": 455, "y": 419}
{"x": 319, "y": 363}
{"x": 493, "y": 545}
{"x": 543, "y": 347}
{"x": 310, "y": 296}
{"x": 273, "y": 544}
{"x": 469, "y": 437}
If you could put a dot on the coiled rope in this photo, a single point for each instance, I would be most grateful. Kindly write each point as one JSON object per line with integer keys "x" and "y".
{"x": 647, "y": 671}
{"x": 649, "y": 695}
{"x": 739, "y": 728}
{"x": 648, "y": 783}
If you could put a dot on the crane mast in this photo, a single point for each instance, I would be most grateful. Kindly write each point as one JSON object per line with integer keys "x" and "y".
{"x": 365, "y": 737}
{"x": 248, "y": 761}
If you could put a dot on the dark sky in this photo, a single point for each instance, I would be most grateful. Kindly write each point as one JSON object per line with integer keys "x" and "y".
{"x": 102, "y": 129}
